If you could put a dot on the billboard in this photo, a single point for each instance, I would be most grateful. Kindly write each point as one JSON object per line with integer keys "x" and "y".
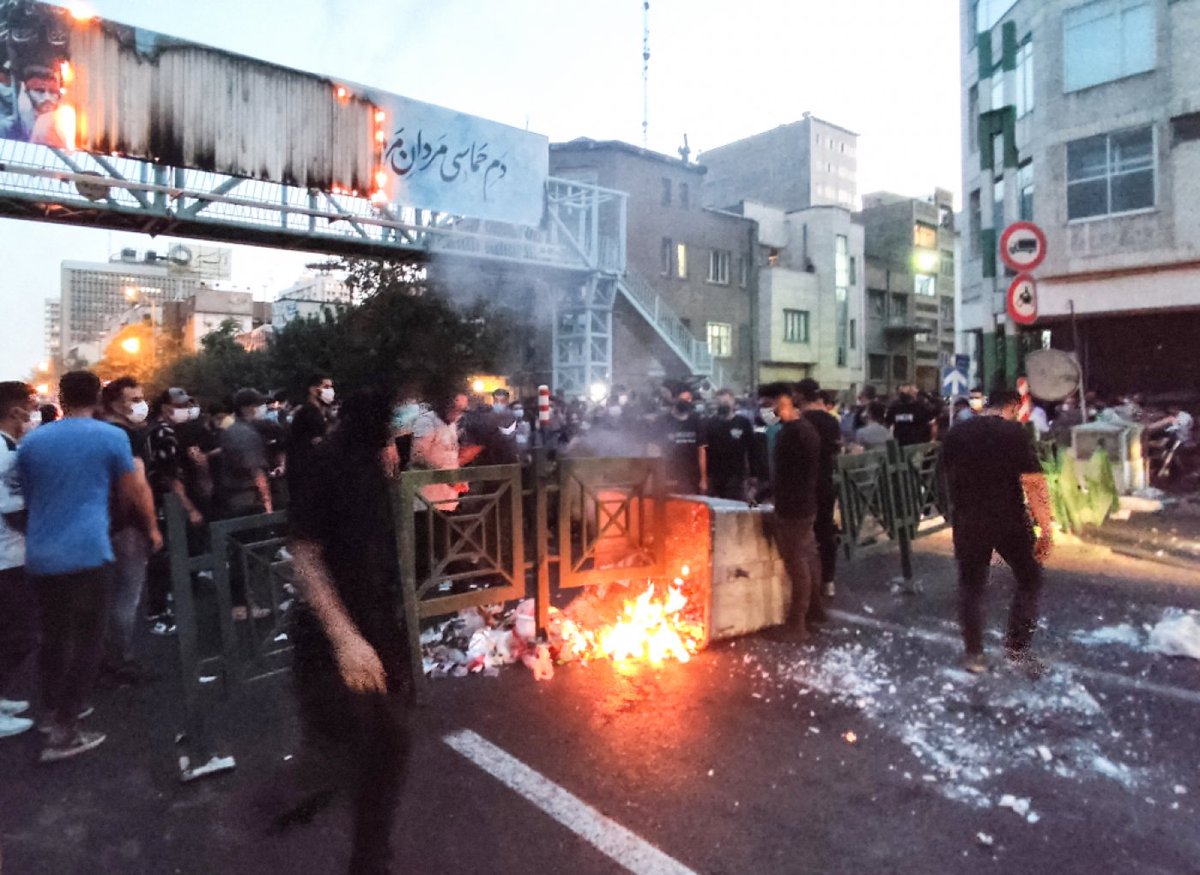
{"x": 439, "y": 159}
{"x": 88, "y": 84}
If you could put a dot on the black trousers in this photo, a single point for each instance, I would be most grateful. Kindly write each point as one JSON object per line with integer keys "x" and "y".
{"x": 798, "y": 548}
{"x": 826, "y": 532}
{"x": 974, "y": 541}
{"x": 354, "y": 743}
{"x": 18, "y": 624}
{"x": 74, "y": 611}
{"x": 732, "y": 487}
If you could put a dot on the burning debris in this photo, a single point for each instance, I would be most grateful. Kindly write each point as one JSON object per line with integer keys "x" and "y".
{"x": 651, "y": 625}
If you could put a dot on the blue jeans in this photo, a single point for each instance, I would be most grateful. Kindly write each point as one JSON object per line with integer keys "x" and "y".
{"x": 131, "y": 547}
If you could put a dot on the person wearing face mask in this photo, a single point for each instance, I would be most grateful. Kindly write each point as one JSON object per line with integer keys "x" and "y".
{"x": 123, "y": 405}
{"x": 683, "y": 447}
{"x": 18, "y": 608}
{"x": 730, "y": 439}
{"x": 310, "y": 425}
{"x": 794, "y": 485}
{"x": 244, "y": 486}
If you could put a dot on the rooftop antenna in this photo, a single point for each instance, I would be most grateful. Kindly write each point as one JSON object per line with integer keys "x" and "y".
{"x": 685, "y": 150}
{"x": 645, "y": 74}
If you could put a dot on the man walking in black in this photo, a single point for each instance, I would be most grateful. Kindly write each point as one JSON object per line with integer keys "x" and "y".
{"x": 830, "y": 432}
{"x": 992, "y": 469}
{"x": 797, "y": 465}
{"x": 351, "y": 662}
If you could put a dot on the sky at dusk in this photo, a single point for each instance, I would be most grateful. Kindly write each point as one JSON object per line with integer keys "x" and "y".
{"x": 719, "y": 71}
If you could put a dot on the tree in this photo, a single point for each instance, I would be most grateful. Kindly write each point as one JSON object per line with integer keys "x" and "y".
{"x": 219, "y": 369}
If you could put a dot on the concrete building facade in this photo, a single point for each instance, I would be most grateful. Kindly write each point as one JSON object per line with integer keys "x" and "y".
{"x": 910, "y": 288}
{"x": 1085, "y": 118}
{"x": 804, "y": 164}
{"x": 697, "y": 261}
{"x": 809, "y": 318}
{"x": 307, "y": 297}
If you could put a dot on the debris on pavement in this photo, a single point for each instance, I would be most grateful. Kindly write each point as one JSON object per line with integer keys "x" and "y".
{"x": 1177, "y": 634}
{"x": 984, "y": 839}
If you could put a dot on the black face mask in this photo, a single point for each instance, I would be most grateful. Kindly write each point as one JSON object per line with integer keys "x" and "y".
{"x": 724, "y": 410}
{"x": 683, "y": 407}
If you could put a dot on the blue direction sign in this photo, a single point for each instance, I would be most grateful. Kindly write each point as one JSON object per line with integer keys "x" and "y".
{"x": 954, "y": 380}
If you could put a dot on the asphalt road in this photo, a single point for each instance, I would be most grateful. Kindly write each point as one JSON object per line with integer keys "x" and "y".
{"x": 867, "y": 751}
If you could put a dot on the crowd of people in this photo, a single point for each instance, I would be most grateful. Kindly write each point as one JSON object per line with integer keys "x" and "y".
{"x": 82, "y": 491}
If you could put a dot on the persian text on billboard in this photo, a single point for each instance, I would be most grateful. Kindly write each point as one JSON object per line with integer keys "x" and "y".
{"x": 443, "y": 160}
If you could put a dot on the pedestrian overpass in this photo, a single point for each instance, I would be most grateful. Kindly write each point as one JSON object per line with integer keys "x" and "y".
{"x": 108, "y": 126}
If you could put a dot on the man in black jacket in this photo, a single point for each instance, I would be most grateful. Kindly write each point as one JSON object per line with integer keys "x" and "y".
{"x": 796, "y": 471}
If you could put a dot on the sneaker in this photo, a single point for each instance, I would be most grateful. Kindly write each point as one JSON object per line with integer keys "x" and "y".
{"x": 830, "y": 589}
{"x": 13, "y": 725}
{"x": 975, "y": 663}
{"x": 69, "y": 745}
{"x": 12, "y": 707}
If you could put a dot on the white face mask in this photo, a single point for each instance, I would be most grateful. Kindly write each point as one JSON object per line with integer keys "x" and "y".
{"x": 260, "y": 411}
{"x": 193, "y": 413}
{"x": 138, "y": 412}
{"x": 769, "y": 416}
{"x": 179, "y": 415}
{"x": 327, "y": 395}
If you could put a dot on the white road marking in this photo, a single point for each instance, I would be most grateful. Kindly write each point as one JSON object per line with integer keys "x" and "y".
{"x": 609, "y": 837}
{"x": 1108, "y": 677}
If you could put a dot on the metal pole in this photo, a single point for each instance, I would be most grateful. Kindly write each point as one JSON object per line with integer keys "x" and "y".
{"x": 1079, "y": 360}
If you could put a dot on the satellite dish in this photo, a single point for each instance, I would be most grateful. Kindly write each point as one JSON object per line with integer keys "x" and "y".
{"x": 1053, "y": 374}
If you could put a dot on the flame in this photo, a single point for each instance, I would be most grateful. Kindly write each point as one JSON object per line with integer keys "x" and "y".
{"x": 67, "y": 72}
{"x": 64, "y": 125}
{"x": 651, "y": 627}
{"x": 80, "y": 11}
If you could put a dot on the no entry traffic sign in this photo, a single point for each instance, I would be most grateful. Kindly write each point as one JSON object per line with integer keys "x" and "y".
{"x": 1022, "y": 300}
{"x": 1023, "y": 246}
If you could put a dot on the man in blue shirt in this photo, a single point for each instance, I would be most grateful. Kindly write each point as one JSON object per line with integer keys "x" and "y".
{"x": 68, "y": 470}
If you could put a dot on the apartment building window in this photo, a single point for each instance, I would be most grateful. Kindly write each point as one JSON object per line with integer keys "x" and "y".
{"x": 684, "y": 195}
{"x": 925, "y": 285}
{"x": 947, "y": 311}
{"x": 1025, "y": 191}
{"x": 681, "y": 270}
{"x": 899, "y": 307}
{"x": 854, "y": 334}
{"x": 974, "y": 221}
{"x": 718, "y": 267}
{"x": 795, "y": 326}
{"x": 1110, "y": 173}
{"x": 667, "y": 253}
{"x": 720, "y": 339}
{"x": 946, "y": 265}
{"x": 853, "y": 270}
{"x": 973, "y": 118}
{"x": 666, "y": 191}
{"x": 998, "y": 80}
{"x": 998, "y": 205}
{"x": 877, "y": 301}
{"x": 1024, "y": 78}
{"x": 743, "y": 271}
{"x": 841, "y": 262}
{"x": 876, "y": 367}
{"x": 1107, "y": 40}
{"x": 900, "y": 367}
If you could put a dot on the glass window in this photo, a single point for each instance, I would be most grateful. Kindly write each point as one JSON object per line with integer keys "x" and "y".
{"x": 1025, "y": 190}
{"x": 668, "y": 250}
{"x": 681, "y": 270}
{"x": 743, "y": 271}
{"x": 900, "y": 367}
{"x": 998, "y": 78}
{"x": 718, "y": 267}
{"x": 720, "y": 339}
{"x": 1110, "y": 173}
{"x": 853, "y": 271}
{"x": 1024, "y": 83}
{"x": 924, "y": 236}
{"x": 684, "y": 194}
{"x": 877, "y": 367}
{"x": 877, "y": 302}
{"x": 947, "y": 263}
{"x": 998, "y": 205}
{"x": 975, "y": 221}
{"x": 854, "y": 334}
{"x": 841, "y": 262}
{"x": 666, "y": 192}
{"x": 795, "y": 326}
{"x": 925, "y": 285}
{"x": 1107, "y": 40}
{"x": 899, "y": 307}
{"x": 947, "y": 310}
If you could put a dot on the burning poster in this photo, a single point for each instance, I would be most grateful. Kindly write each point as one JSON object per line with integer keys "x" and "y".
{"x": 35, "y": 72}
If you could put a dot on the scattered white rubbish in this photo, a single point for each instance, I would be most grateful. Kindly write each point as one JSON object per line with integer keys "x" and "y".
{"x": 1124, "y": 634}
{"x": 814, "y": 730}
{"x": 1032, "y": 817}
{"x": 207, "y": 678}
{"x": 1177, "y": 634}
{"x": 984, "y": 839}
{"x": 1044, "y": 753}
{"x": 1180, "y": 790}
{"x": 1018, "y": 805}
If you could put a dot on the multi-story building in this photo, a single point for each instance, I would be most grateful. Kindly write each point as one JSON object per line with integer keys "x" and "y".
{"x": 1084, "y": 117}
{"x": 95, "y": 294}
{"x": 309, "y": 296}
{"x": 809, "y": 319}
{"x": 689, "y": 273}
{"x": 53, "y": 329}
{"x": 910, "y": 246}
{"x": 795, "y": 166}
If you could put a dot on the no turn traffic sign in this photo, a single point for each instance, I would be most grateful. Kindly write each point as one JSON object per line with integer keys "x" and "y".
{"x": 1023, "y": 246}
{"x": 1022, "y": 300}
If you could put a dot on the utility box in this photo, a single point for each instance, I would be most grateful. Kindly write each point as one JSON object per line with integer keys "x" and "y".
{"x": 1123, "y": 443}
